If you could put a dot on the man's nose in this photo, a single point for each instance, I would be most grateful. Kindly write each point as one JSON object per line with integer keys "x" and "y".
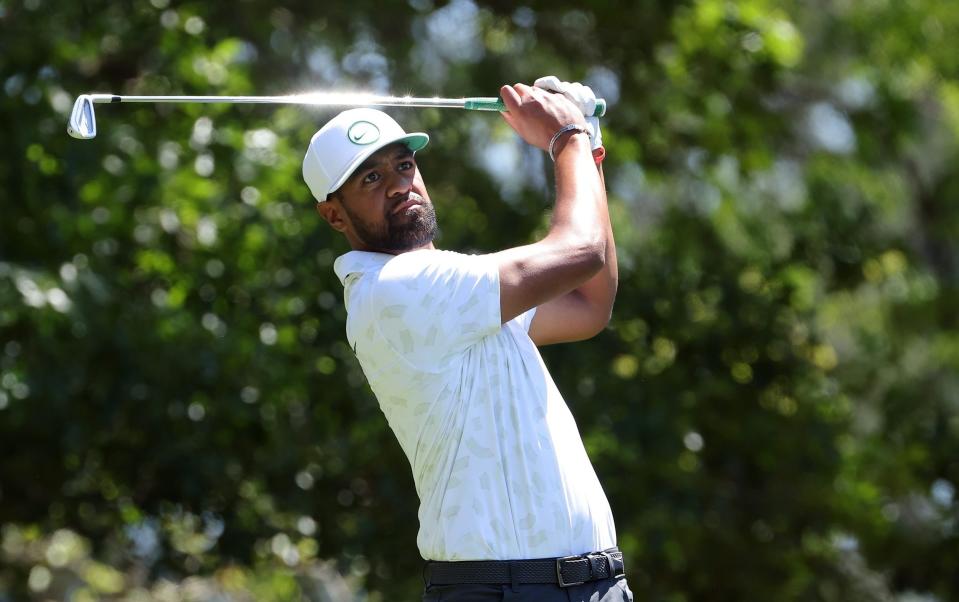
{"x": 400, "y": 183}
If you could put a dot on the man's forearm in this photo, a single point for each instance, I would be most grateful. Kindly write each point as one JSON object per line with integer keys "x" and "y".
{"x": 600, "y": 290}
{"x": 579, "y": 214}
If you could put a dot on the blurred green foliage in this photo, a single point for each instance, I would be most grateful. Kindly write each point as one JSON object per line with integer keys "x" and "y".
{"x": 773, "y": 411}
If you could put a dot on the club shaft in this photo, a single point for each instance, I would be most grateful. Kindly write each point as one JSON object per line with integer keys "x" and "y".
{"x": 298, "y": 99}
{"x": 330, "y": 99}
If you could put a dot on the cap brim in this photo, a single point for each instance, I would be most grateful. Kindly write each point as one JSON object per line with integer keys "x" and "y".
{"x": 415, "y": 141}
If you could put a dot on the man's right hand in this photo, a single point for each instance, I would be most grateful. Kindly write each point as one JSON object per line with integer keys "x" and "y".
{"x": 536, "y": 114}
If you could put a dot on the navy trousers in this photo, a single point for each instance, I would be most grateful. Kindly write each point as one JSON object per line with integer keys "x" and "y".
{"x": 606, "y": 590}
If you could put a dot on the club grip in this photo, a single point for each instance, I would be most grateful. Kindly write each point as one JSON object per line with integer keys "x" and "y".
{"x": 496, "y": 104}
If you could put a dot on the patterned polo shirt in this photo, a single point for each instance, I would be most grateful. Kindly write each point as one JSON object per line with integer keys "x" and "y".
{"x": 498, "y": 463}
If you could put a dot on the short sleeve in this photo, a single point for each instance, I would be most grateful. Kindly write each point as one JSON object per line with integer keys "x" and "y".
{"x": 431, "y": 305}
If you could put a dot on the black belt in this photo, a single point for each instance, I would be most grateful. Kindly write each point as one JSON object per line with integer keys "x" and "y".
{"x": 565, "y": 571}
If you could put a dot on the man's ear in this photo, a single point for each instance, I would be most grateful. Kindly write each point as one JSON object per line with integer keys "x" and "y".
{"x": 331, "y": 211}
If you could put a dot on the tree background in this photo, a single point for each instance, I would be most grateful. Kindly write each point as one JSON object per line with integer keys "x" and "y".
{"x": 773, "y": 411}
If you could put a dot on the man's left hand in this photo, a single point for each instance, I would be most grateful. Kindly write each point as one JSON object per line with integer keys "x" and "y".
{"x": 582, "y": 96}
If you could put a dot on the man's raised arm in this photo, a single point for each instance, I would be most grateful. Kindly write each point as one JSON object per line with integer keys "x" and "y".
{"x": 571, "y": 273}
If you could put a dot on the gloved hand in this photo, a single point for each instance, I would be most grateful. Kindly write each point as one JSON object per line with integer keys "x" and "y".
{"x": 582, "y": 96}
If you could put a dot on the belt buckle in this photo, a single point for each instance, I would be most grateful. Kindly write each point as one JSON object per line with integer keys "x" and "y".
{"x": 559, "y": 571}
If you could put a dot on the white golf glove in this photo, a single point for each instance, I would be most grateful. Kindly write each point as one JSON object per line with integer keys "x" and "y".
{"x": 581, "y": 96}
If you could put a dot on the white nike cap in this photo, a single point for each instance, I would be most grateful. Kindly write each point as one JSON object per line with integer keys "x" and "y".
{"x": 339, "y": 147}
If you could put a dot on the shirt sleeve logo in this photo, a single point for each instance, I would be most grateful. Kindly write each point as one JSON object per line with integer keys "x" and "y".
{"x": 363, "y": 133}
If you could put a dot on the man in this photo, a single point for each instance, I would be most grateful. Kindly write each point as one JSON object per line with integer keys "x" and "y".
{"x": 510, "y": 507}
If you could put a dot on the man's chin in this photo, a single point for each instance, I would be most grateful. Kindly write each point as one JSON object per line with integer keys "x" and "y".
{"x": 415, "y": 241}
{"x": 417, "y": 232}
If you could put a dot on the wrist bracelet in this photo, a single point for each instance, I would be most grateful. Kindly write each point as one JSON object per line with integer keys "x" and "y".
{"x": 566, "y": 128}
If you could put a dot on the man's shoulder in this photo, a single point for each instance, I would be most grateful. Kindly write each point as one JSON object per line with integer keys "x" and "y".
{"x": 426, "y": 305}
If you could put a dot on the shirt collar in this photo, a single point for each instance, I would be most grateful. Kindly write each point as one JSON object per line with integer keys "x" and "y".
{"x": 358, "y": 262}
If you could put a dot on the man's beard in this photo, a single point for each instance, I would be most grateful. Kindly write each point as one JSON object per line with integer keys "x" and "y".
{"x": 396, "y": 235}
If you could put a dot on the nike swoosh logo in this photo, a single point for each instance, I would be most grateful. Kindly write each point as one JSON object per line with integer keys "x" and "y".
{"x": 363, "y": 132}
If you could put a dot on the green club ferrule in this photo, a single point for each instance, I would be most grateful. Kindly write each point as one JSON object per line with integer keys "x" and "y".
{"x": 484, "y": 104}
{"x": 496, "y": 104}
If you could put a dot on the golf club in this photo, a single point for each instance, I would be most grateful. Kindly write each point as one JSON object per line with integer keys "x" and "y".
{"x": 83, "y": 122}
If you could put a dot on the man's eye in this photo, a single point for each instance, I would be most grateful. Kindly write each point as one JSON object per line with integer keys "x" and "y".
{"x": 404, "y": 165}
{"x": 371, "y": 177}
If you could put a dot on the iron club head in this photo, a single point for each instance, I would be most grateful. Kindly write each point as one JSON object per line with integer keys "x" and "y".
{"x": 83, "y": 122}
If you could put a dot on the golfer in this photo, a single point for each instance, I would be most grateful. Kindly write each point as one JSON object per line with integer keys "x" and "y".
{"x": 510, "y": 507}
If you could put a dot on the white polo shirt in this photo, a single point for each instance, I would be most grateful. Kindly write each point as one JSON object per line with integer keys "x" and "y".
{"x": 499, "y": 466}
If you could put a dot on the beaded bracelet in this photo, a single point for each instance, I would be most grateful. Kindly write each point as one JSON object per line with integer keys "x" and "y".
{"x": 566, "y": 128}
